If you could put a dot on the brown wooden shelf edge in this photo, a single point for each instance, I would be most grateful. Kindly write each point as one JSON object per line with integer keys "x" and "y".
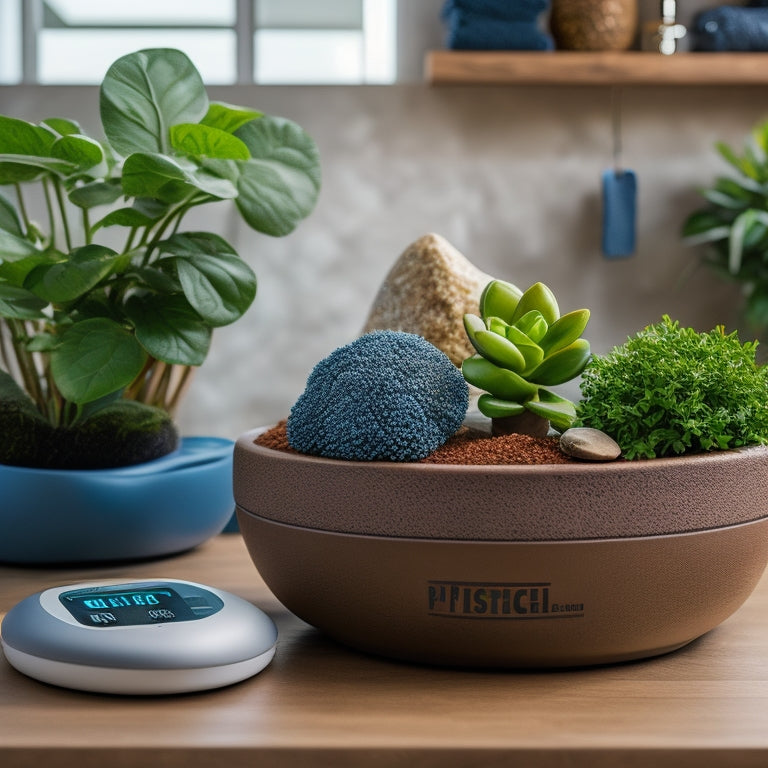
{"x": 586, "y": 68}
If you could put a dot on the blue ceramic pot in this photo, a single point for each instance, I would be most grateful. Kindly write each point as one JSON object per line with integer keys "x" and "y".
{"x": 161, "y": 507}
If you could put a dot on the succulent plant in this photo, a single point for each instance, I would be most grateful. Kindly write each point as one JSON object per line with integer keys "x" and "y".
{"x": 524, "y": 346}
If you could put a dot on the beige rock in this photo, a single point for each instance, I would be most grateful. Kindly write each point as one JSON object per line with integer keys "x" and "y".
{"x": 590, "y": 444}
{"x": 428, "y": 291}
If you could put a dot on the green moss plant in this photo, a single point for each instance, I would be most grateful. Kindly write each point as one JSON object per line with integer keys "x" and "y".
{"x": 670, "y": 390}
{"x": 524, "y": 346}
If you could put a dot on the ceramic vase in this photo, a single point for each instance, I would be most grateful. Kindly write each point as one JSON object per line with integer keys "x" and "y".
{"x": 593, "y": 25}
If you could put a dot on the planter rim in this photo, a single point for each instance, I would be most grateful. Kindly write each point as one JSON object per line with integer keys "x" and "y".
{"x": 545, "y": 502}
{"x": 636, "y": 465}
{"x": 192, "y": 452}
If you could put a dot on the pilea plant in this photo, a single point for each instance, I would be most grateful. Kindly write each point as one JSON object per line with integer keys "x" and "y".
{"x": 670, "y": 390}
{"x": 97, "y": 302}
{"x": 523, "y": 347}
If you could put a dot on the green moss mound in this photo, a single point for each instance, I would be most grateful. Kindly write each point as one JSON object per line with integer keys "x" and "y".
{"x": 120, "y": 434}
{"x": 671, "y": 390}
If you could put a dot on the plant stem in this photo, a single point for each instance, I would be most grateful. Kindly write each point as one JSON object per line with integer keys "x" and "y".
{"x": 22, "y": 206}
{"x": 49, "y": 207}
{"x": 162, "y": 388}
{"x": 62, "y": 212}
{"x": 5, "y": 350}
{"x": 87, "y": 227}
{"x": 25, "y": 360}
{"x": 55, "y": 401}
{"x": 134, "y": 390}
{"x": 525, "y": 423}
{"x": 129, "y": 241}
{"x": 182, "y": 385}
{"x": 178, "y": 212}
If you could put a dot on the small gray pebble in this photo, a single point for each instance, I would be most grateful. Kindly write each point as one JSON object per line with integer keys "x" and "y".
{"x": 588, "y": 443}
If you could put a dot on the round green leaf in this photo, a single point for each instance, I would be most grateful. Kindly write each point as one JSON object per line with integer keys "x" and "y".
{"x": 144, "y": 93}
{"x": 154, "y": 175}
{"x": 95, "y": 193}
{"x": 169, "y": 329}
{"x": 18, "y": 137}
{"x": 95, "y": 358}
{"x": 204, "y": 141}
{"x": 214, "y": 185}
{"x": 217, "y": 283}
{"x": 62, "y": 126}
{"x": 13, "y": 247}
{"x": 124, "y": 217}
{"x": 81, "y": 151}
{"x": 19, "y": 303}
{"x": 279, "y": 185}
{"x": 22, "y": 168}
{"x": 67, "y": 280}
{"x": 9, "y": 217}
{"x": 15, "y": 272}
{"x": 228, "y": 117}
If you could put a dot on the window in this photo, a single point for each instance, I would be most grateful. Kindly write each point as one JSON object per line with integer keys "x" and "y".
{"x": 230, "y": 41}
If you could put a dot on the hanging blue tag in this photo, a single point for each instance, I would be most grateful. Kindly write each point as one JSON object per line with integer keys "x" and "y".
{"x": 619, "y": 213}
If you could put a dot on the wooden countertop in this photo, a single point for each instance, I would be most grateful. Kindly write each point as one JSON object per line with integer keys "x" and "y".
{"x": 319, "y": 704}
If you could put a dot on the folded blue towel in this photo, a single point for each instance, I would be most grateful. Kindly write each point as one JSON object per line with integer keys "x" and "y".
{"x": 729, "y": 28}
{"x": 510, "y": 10}
{"x": 468, "y": 32}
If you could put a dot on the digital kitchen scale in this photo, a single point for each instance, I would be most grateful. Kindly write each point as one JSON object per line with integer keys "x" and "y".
{"x": 154, "y": 636}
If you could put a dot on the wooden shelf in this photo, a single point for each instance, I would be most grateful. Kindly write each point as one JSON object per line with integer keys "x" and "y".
{"x": 604, "y": 68}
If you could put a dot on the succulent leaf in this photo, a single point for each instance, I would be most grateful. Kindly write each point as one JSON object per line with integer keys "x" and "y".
{"x": 563, "y": 365}
{"x": 495, "y": 408}
{"x": 531, "y": 351}
{"x": 533, "y": 325}
{"x": 499, "y": 350}
{"x": 560, "y": 412}
{"x": 497, "y": 325}
{"x": 500, "y": 382}
{"x": 565, "y": 331}
{"x": 539, "y": 297}
{"x": 500, "y": 299}
{"x": 473, "y": 324}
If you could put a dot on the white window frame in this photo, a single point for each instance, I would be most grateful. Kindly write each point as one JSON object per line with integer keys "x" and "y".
{"x": 379, "y": 40}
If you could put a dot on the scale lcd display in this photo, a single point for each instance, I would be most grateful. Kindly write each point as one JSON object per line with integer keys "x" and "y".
{"x": 134, "y": 604}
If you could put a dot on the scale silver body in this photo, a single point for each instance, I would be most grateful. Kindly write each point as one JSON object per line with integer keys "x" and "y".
{"x": 153, "y": 636}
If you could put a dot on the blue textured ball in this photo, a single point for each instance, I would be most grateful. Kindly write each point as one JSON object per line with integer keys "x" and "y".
{"x": 388, "y": 396}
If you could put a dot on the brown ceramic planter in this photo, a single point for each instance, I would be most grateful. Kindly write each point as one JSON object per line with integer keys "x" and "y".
{"x": 515, "y": 566}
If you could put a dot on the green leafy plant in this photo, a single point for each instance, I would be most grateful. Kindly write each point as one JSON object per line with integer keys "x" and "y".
{"x": 670, "y": 390}
{"x": 734, "y": 224}
{"x": 84, "y": 321}
{"x": 523, "y": 346}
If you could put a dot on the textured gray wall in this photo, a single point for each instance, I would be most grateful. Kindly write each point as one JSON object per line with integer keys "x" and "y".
{"x": 510, "y": 175}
